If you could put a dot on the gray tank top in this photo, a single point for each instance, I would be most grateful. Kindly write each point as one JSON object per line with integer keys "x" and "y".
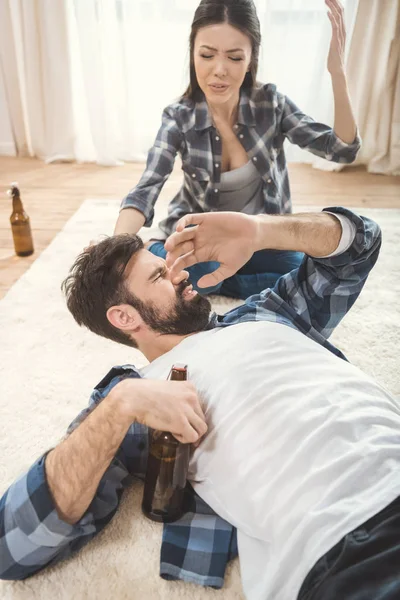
{"x": 241, "y": 190}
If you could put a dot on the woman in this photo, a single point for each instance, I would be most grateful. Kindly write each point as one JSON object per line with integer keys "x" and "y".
{"x": 229, "y": 131}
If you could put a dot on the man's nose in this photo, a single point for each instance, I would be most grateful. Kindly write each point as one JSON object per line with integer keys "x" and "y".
{"x": 177, "y": 279}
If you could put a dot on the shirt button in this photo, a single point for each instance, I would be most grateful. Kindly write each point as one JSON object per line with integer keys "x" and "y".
{"x": 236, "y": 126}
{"x": 269, "y": 180}
{"x": 216, "y": 165}
{"x": 217, "y": 138}
{"x": 216, "y": 190}
{"x": 194, "y": 175}
{"x": 241, "y": 135}
{"x": 255, "y": 158}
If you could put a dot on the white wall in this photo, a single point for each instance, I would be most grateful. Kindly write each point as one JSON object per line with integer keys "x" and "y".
{"x": 7, "y": 145}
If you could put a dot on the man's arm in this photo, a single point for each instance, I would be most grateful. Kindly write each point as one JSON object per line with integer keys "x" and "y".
{"x": 68, "y": 496}
{"x": 75, "y": 467}
{"x": 317, "y": 294}
{"x": 315, "y": 234}
{"x": 231, "y": 239}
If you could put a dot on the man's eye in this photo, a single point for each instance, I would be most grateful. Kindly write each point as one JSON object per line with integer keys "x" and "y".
{"x": 162, "y": 274}
{"x": 236, "y": 59}
{"x": 206, "y": 55}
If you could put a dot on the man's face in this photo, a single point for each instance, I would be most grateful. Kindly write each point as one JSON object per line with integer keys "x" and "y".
{"x": 165, "y": 307}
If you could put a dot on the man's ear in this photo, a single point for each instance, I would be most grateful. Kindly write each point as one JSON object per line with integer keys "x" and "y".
{"x": 125, "y": 317}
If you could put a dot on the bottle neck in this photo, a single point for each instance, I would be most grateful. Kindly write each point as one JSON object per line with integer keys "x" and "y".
{"x": 17, "y": 204}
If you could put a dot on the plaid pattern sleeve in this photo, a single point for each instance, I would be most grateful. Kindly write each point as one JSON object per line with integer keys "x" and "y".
{"x": 316, "y": 137}
{"x": 322, "y": 290}
{"x": 160, "y": 162}
{"x": 198, "y": 546}
{"x": 32, "y": 535}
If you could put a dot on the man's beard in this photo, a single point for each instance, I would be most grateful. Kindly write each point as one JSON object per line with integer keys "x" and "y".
{"x": 187, "y": 316}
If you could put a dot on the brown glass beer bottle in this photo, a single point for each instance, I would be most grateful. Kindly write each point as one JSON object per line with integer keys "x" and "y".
{"x": 20, "y": 225}
{"x": 167, "y": 467}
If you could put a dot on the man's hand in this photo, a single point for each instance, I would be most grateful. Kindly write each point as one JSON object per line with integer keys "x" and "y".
{"x": 231, "y": 239}
{"x": 164, "y": 405}
{"x": 225, "y": 237}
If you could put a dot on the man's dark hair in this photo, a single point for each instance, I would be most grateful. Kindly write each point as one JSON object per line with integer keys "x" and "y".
{"x": 96, "y": 281}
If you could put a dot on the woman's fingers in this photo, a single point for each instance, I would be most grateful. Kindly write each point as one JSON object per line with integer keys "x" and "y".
{"x": 336, "y": 17}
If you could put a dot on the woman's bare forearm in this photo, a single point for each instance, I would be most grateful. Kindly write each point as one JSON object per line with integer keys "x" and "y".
{"x": 344, "y": 125}
{"x": 130, "y": 220}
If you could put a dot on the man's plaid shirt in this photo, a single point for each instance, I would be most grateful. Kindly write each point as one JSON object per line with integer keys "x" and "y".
{"x": 265, "y": 119}
{"x": 313, "y": 299}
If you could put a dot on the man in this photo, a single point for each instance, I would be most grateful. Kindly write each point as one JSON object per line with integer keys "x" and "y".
{"x": 299, "y": 450}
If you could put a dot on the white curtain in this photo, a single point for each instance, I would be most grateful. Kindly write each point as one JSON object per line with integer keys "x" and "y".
{"x": 296, "y": 37}
{"x": 377, "y": 84}
{"x": 133, "y": 59}
{"x": 34, "y": 59}
{"x": 88, "y": 79}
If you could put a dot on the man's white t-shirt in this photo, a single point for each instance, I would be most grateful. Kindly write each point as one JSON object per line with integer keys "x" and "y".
{"x": 302, "y": 447}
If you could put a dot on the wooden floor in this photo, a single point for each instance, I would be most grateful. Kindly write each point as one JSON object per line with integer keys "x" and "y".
{"x": 52, "y": 193}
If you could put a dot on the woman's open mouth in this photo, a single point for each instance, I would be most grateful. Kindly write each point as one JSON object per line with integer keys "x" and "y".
{"x": 219, "y": 88}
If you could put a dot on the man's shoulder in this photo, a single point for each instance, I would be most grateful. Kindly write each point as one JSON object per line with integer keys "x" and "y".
{"x": 114, "y": 375}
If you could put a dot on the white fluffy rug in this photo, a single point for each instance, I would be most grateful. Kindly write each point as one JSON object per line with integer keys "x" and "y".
{"x": 49, "y": 365}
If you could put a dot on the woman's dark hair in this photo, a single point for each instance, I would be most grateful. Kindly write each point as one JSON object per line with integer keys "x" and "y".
{"x": 96, "y": 281}
{"x": 240, "y": 14}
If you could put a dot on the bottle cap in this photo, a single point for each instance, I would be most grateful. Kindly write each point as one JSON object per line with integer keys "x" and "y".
{"x": 179, "y": 367}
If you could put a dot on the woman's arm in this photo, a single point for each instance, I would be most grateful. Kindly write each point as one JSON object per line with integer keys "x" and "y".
{"x": 160, "y": 162}
{"x": 345, "y": 124}
{"x": 340, "y": 144}
{"x": 130, "y": 220}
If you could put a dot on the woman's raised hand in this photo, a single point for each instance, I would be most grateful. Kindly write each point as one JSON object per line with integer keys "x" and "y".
{"x": 338, "y": 40}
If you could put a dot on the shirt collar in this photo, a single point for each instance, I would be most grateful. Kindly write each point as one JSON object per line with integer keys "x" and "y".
{"x": 202, "y": 114}
{"x": 246, "y": 113}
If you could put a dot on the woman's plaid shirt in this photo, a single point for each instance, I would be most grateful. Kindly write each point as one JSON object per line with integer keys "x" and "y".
{"x": 265, "y": 119}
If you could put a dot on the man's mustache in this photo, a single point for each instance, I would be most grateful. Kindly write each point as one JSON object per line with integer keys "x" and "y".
{"x": 182, "y": 286}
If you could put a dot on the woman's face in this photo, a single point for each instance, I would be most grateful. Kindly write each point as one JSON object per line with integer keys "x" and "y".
{"x": 222, "y": 56}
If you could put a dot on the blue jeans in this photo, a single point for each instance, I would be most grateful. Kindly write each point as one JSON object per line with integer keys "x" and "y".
{"x": 364, "y": 565}
{"x": 260, "y": 272}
